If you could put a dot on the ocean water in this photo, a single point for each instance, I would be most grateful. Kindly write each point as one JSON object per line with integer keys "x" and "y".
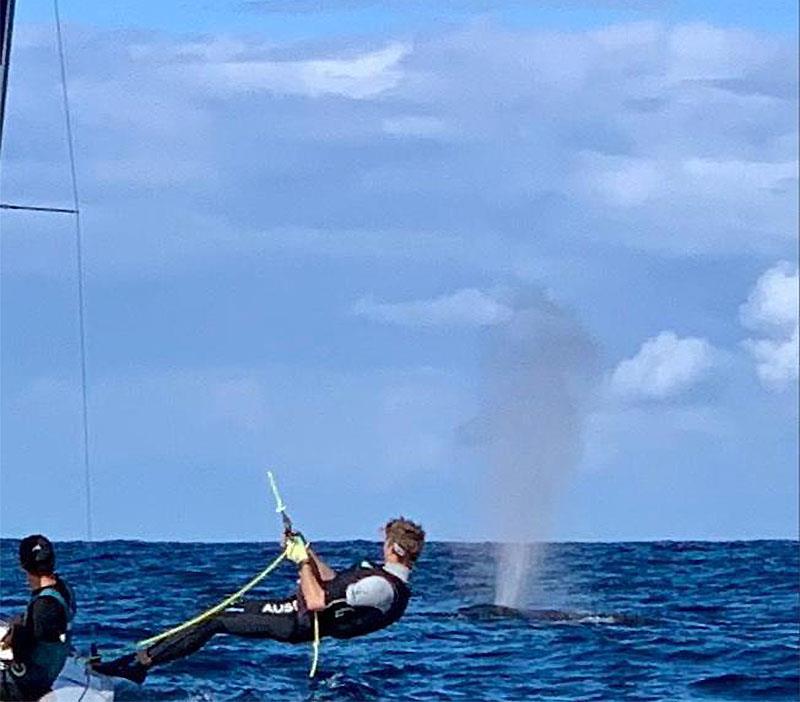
{"x": 627, "y": 621}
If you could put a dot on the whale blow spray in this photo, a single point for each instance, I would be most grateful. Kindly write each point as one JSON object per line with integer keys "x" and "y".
{"x": 541, "y": 368}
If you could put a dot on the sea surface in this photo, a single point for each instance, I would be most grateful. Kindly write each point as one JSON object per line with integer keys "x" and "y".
{"x": 625, "y": 621}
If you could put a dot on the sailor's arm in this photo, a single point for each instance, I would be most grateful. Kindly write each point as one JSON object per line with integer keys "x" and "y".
{"x": 21, "y": 637}
{"x": 311, "y": 586}
{"x": 325, "y": 571}
{"x": 310, "y": 580}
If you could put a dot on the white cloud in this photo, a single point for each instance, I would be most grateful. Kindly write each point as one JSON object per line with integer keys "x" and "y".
{"x": 665, "y": 366}
{"x": 773, "y": 308}
{"x": 720, "y": 200}
{"x": 776, "y": 361}
{"x": 363, "y": 76}
{"x": 773, "y": 302}
{"x": 464, "y": 308}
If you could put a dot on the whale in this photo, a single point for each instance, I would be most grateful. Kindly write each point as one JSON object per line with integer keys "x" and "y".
{"x": 490, "y": 612}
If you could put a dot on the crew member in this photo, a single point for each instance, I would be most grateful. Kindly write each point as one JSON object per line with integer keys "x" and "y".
{"x": 38, "y": 639}
{"x": 353, "y": 602}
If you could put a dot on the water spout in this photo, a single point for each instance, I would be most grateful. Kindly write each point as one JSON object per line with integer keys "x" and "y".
{"x": 540, "y": 371}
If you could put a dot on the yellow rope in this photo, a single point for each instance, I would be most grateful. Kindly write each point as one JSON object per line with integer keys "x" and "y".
{"x": 315, "y": 646}
{"x": 216, "y": 608}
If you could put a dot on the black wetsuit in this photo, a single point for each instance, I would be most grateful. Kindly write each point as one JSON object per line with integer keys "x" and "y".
{"x": 40, "y": 643}
{"x": 286, "y": 620}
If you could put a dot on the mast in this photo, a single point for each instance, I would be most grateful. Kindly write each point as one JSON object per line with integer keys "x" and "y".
{"x": 6, "y": 25}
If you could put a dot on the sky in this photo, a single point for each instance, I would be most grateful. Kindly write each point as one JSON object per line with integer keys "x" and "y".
{"x": 313, "y": 231}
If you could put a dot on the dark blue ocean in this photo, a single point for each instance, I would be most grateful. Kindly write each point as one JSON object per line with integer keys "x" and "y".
{"x": 629, "y": 621}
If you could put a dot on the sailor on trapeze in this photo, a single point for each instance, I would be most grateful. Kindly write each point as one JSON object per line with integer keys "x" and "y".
{"x": 353, "y": 602}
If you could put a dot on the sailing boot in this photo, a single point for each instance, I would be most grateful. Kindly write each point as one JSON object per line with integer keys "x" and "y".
{"x": 131, "y": 667}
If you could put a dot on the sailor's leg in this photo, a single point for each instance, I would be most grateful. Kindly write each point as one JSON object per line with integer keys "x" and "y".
{"x": 266, "y": 619}
{"x": 280, "y": 620}
{"x": 134, "y": 666}
{"x": 182, "y": 644}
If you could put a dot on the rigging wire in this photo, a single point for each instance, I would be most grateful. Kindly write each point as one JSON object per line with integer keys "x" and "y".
{"x": 34, "y": 208}
{"x": 81, "y": 307}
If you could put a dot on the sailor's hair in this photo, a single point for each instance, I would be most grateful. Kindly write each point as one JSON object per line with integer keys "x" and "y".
{"x": 406, "y": 538}
{"x": 36, "y": 555}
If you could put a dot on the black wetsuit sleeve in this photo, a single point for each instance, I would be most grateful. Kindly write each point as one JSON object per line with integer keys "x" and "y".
{"x": 45, "y": 621}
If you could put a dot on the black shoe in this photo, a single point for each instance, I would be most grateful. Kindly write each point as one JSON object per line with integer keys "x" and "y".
{"x": 127, "y": 667}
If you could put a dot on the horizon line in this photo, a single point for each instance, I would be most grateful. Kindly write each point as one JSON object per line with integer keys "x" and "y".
{"x": 557, "y": 542}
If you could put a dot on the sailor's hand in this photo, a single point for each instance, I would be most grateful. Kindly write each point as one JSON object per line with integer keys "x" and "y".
{"x": 296, "y": 550}
{"x": 5, "y": 642}
{"x": 289, "y": 535}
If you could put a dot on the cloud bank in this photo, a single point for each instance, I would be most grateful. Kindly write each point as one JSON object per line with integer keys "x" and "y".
{"x": 522, "y": 141}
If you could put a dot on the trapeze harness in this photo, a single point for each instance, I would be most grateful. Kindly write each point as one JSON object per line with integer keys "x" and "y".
{"x": 344, "y": 621}
{"x": 46, "y": 659}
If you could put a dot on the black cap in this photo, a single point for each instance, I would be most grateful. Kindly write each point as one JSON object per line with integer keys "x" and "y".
{"x": 36, "y": 555}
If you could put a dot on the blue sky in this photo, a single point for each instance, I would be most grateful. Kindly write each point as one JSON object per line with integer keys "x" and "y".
{"x": 527, "y": 273}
